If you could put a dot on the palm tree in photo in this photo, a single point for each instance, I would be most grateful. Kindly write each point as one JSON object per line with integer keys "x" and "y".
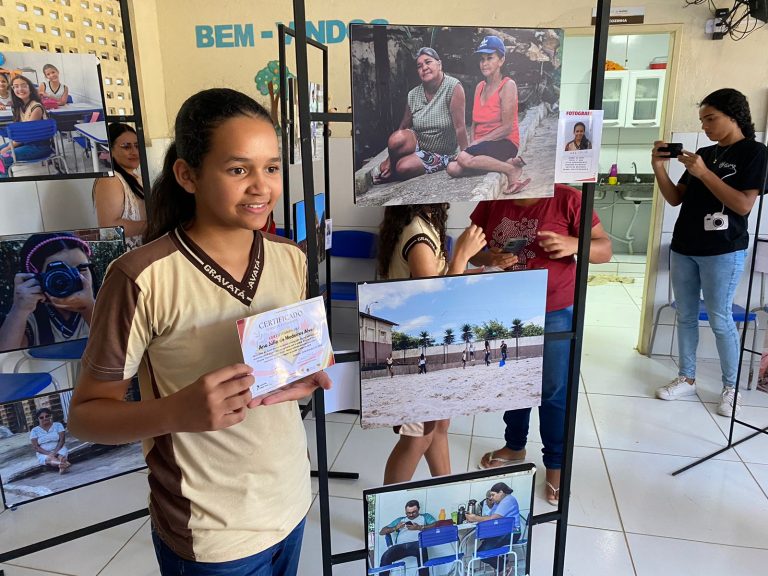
{"x": 466, "y": 334}
{"x": 424, "y": 339}
{"x": 517, "y": 330}
{"x": 449, "y": 337}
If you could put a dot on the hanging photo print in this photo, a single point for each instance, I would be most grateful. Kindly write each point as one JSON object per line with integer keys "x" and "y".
{"x": 39, "y": 457}
{"x": 453, "y": 114}
{"x": 455, "y": 510}
{"x": 579, "y": 137}
{"x": 52, "y": 117}
{"x": 436, "y": 348}
{"x": 44, "y": 276}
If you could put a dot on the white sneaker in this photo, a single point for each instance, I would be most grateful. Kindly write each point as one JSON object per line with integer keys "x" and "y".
{"x": 727, "y": 396}
{"x": 678, "y": 388}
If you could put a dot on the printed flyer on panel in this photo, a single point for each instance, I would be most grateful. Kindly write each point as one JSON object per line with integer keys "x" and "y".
{"x": 579, "y": 135}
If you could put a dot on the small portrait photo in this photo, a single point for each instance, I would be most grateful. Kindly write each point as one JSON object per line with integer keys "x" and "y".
{"x": 49, "y": 282}
{"x": 453, "y": 114}
{"x": 52, "y": 117}
{"x": 39, "y": 457}
{"x": 580, "y": 135}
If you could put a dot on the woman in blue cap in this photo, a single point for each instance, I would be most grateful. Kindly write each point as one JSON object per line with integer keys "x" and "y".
{"x": 495, "y": 132}
{"x": 432, "y": 130}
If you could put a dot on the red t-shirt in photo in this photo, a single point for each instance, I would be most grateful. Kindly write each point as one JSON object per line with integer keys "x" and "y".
{"x": 504, "y": 219}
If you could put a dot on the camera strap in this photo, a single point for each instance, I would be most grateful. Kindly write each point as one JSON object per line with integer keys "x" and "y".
{"x": 67, "y": 328}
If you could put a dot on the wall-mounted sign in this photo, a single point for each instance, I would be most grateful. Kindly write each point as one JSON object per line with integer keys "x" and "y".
{"x": 623, "y": 15}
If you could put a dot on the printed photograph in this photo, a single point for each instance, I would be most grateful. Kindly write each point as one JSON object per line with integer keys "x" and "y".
{"x": 478, "y": 522}
{"x": 39, "y": 457}
{"x": 436, "y": 348}
{"x": 48, "y": 284}
{"x": 454, "y": 114}
{"x": 52, "y": 119}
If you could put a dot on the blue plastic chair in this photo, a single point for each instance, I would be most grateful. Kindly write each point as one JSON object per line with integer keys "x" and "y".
{"x": 436, "y": 537}
{"x": 739, "y": 313}
{"x": 350, "y": 244}
{"x": 495, "y": 528}
{"x": 35, "y": 131}
{"x": 399, "y": 566}
{"x": 15, "y": 387}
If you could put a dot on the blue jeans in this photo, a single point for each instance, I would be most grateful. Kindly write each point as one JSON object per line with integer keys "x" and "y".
{"x": 716, "y": 277}
{"x": 24, "y": 153}
{"x": 553, "y": 391}
{"x": 282, "y": 559}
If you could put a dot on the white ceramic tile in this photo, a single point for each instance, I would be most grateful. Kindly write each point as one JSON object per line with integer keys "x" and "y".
{"x": 760, "y": 473}
{"x": 633, "y": 267}
{"x": 11, "y": 570}
{"x": 462, "y": 425}
{"x": 718, "y": 501}
{"x": 592, "y": 503}
{"x": 588, "y": 552}
{"x": 709, "y": 383}
{"x": 335, "y": 435}
{"x": 656, "y": 426}
{"x": 754, "y": 450}
{"x": 630, "y": 374}
{"x": 609, "y": 267}
{"x": 601, "y": 342}
{"x": 366, "y": 452}
{"x": 491, "y": 425}
{"x": 601, "y": 294}
{"x": 348, "y": 534}
{"x": 667, "y": 556}
{"x": 136, "y": 558}
{"x": 624, "y": 315}
{"x": 85, "y": 556}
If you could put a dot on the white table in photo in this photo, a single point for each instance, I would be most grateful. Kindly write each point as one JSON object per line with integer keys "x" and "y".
{"x": 96, "y": 133}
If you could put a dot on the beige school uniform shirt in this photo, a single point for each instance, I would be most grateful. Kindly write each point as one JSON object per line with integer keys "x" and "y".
{"x": 168, "y": 311}
{"x": 419, "y": 231}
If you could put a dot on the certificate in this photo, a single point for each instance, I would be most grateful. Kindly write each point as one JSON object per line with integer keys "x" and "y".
{"x": 285, "y": 344}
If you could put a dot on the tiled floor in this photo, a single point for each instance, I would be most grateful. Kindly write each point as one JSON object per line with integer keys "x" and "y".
{"x": 628, "y": 515}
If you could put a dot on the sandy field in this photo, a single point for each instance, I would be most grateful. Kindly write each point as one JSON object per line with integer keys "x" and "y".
{"x": 449, "y": 393}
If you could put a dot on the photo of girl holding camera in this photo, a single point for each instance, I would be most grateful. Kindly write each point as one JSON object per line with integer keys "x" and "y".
{"x": 53, "y": 294}
{"x": 716, "y": 194}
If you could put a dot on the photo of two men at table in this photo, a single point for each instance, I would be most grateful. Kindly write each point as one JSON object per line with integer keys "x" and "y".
{"x": 396, "y": 517}
{"x": 52, "y": 116}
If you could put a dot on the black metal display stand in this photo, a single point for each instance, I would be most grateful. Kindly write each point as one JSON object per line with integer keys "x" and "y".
{"x": 575, "y": 335}
{"x": 135, "y": 119}
{"x": 314, "y": 288}
{"x": 734, "y": 420}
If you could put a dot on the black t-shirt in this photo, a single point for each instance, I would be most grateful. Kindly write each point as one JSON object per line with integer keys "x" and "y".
{"x": 740, "y": 166}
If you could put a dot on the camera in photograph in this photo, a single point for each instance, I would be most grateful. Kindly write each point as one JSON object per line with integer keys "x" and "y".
{"x": 60, "y": 280}
{"x": 715, "y": 221}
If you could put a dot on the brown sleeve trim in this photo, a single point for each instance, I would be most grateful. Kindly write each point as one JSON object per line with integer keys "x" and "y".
{"x": 417, "y": 239}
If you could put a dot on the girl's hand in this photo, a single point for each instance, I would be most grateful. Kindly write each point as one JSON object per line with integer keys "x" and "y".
{"x": 295, "y": 391}
{"x": 214, "y": 401}
{"x": 693, "y": 163}
{"x": 501, "y": 259}
{"x": 471, "y": 241}
{"x": 558, "y": 245}
{"x": 27, "y": 293}
{"x": 81, "y": 301}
